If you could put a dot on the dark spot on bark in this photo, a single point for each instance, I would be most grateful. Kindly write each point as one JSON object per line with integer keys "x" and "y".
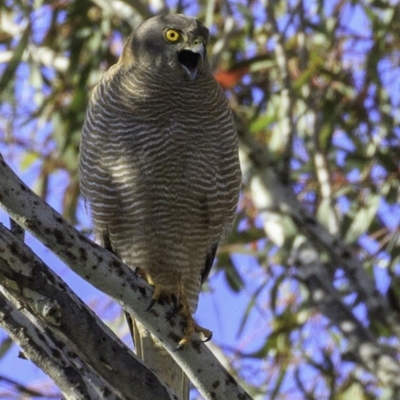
{"x": 51, "y": 278}
{"x": 94, "y": 267}
{"x": 59, "y": 220}
{"x": 41, "y": 337}
{"x": 154, "y": 312}
{"x": 23, "y": 187}
{"x": 196, "y": 346}
{"x": 82, "y": 255}
{"x": 70, "y": 255}
{"x": 24, "y": 258}
{"x": 56, "y": 353}
{"x": 174, "y": 337}
{"x": 216, "y": 384}
{"x": 35, "y": 203}
{"x": 13, "y": 249}
{"x": 241, "y": 396}
{"x": 213, "y": 395}
{"x": 142, "y": 291}
{"x": 87, "y": 276}
{"x": 100, "y": 259}
{"x": 82, "y": 237}
{"x": 59, "y": 235}
{"x": 149, "y": 380}
{"x": 229, "y": 380}
{"x": 199, "y": 371}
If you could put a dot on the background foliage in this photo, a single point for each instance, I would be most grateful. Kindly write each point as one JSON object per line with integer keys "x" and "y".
{"x": 315, "y": 87}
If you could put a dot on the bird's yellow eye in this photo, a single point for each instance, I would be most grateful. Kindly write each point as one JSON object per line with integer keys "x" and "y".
{"x": 172, "y": 35}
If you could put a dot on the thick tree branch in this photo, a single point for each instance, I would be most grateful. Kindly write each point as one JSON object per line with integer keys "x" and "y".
{"x": 65, "y": 320}
{"x": 106, "y": 272}
{"x": 75, "y": 379}
{"x": 326, "y": 299}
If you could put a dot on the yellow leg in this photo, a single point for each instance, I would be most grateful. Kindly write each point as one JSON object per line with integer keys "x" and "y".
{"x": 179, "y": 308}
{"x": 191, "y": 328}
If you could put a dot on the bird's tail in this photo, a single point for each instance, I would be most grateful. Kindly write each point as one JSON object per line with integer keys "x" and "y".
{"x": 152, "y": 352}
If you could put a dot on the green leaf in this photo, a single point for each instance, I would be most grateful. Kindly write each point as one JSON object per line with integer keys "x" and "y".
{"x": 16, "y": 58}
{"x": 363, "y": 218}
{"x": 28, "y": 159}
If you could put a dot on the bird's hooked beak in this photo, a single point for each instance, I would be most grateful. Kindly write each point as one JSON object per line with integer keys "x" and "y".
{"x": 189, "y": 58}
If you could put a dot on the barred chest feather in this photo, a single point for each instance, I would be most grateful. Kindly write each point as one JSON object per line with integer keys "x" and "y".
{"x": 164, "y": 173}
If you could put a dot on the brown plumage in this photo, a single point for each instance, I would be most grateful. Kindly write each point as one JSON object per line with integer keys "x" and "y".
{"x": 159, "y": 167}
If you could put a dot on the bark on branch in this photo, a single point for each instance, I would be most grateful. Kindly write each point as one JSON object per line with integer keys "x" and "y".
{"x": 83, "y": 356}
{"x": 277, "y": 201}
{"x": 107, "y": 273}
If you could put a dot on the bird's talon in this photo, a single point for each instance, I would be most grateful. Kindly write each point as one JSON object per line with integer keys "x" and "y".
{"x": 207, "y": 339}
{"x": 183, "y": 342}
{"x": 175, "y": 301}
{"x": 206, "y": 333}
{"x": 139, "y": 273}
{"x": 151, "y": 304}
{"x": 173, "y": 312}
{"x": 178, "y": 347}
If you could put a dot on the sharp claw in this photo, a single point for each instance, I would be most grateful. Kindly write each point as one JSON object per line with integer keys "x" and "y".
{"x": 207, "y": 339}
{"x": 174, "y": 300}
{"x": 138, "y": 273}
{"x": 151, "y": 304}
{"x": 178, "y": 347}
{"x": 174, "y": 312}
{"x": 181, "y": 344}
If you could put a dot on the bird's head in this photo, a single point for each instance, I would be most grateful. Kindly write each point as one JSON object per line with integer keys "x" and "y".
{"x": 169, "y": 44}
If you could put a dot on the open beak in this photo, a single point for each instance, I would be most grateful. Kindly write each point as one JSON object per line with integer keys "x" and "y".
{"x": 189, "y": 58}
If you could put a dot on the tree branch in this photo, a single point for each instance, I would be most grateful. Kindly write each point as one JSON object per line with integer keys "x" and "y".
{"x": 325, "y": 298}
{"x": 107, "y": 273}
{"x": 280, "y": 199}
{"x": 56, "y": 317}
{"x": 75, "y": 380}
{"x": 273, "y": 198}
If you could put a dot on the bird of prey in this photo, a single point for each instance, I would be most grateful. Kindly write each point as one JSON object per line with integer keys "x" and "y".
{"x": 159, "y": 168}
